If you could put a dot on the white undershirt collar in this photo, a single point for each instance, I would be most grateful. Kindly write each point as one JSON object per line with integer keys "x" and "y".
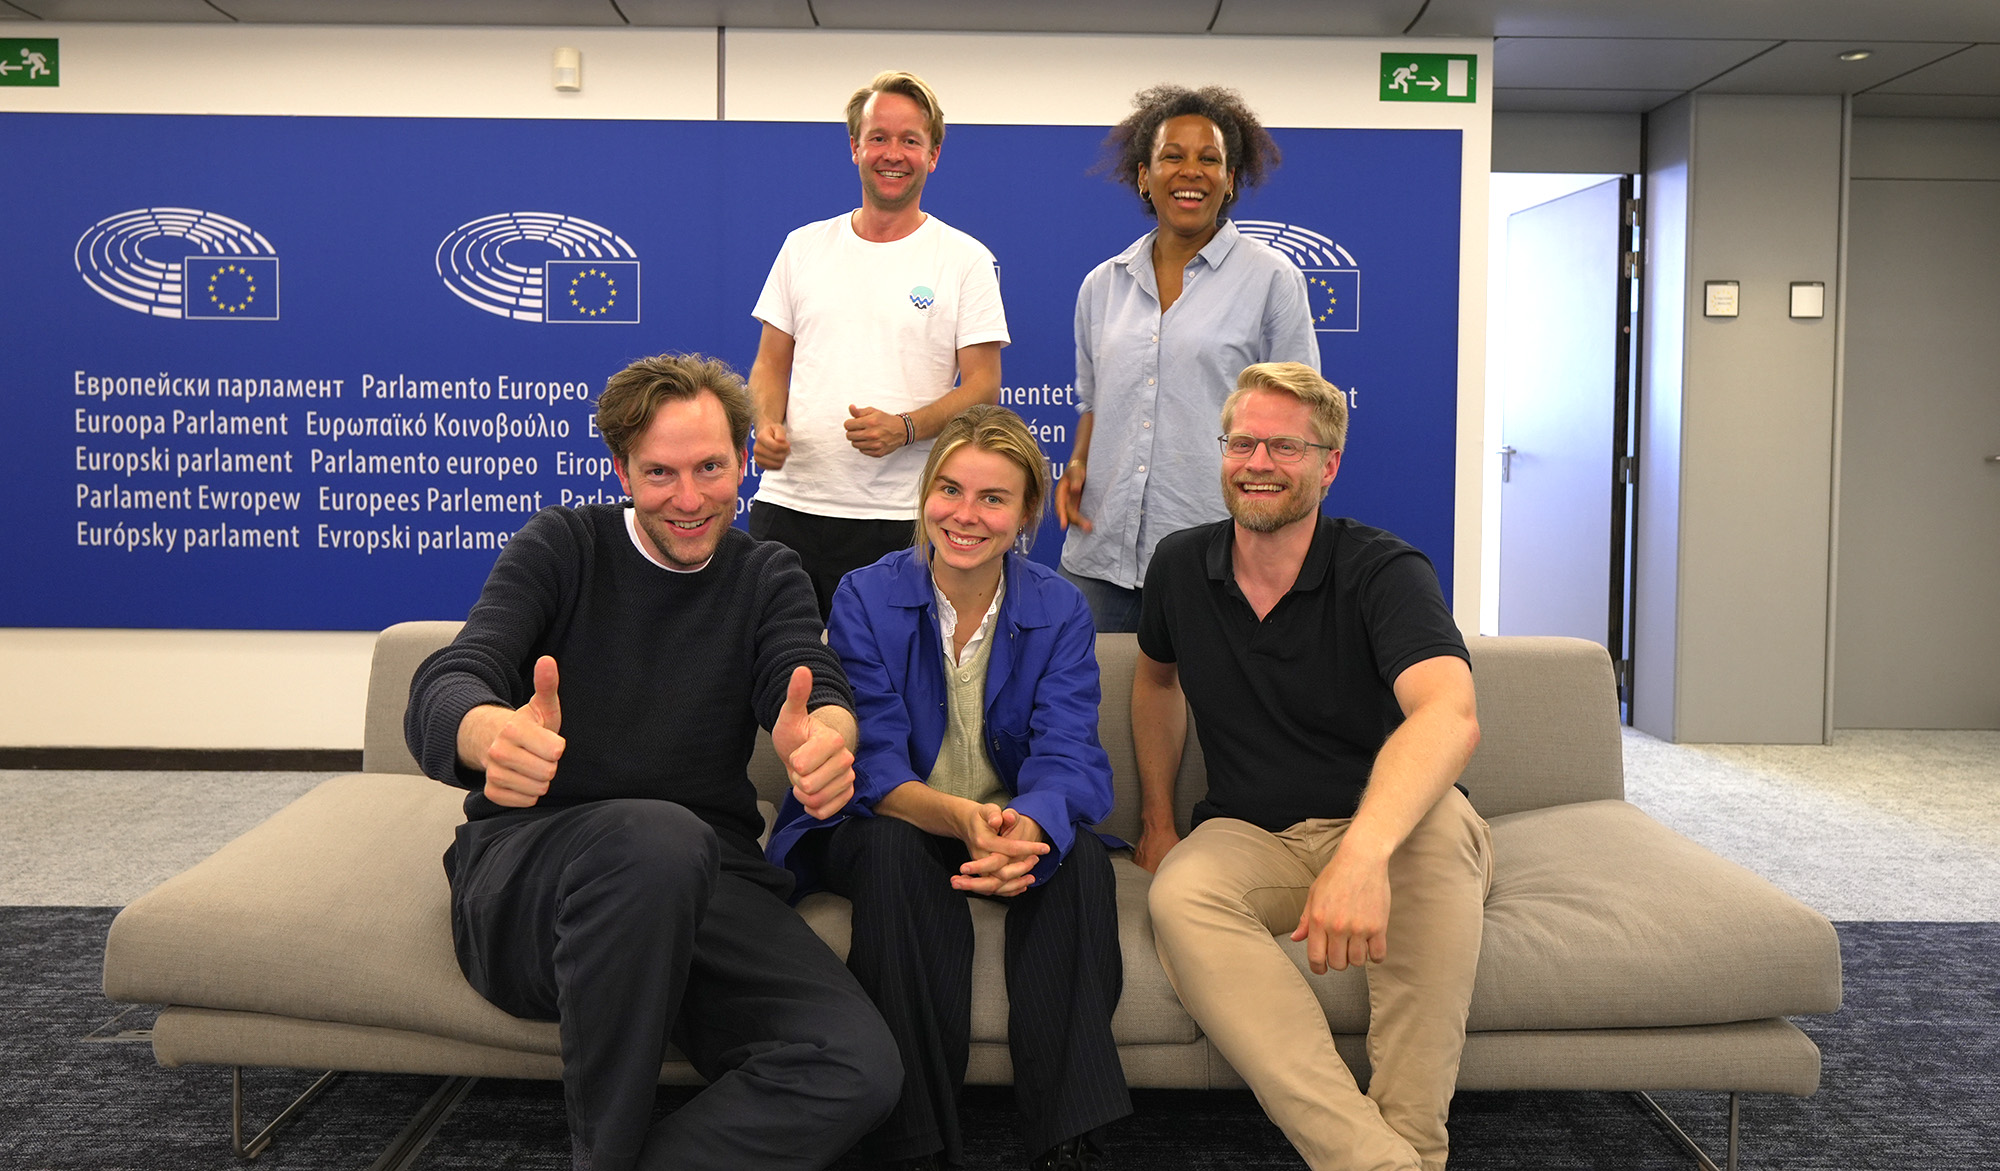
{"x": 948, "y": 622}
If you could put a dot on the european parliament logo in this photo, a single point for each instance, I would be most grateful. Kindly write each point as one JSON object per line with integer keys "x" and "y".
{"x": 497, "y": 264}
{"x": 181, "y": 262}
{"x": 1333, "y": 279}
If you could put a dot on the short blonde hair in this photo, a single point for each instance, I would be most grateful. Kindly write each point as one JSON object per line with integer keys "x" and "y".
{"x": 998, "y": 430}
{"x": 897, "y": 81}
{"x": 1302, "y": 382}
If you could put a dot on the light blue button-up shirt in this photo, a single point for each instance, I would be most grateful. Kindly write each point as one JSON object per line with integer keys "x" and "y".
{"x": 1156, "y": 383}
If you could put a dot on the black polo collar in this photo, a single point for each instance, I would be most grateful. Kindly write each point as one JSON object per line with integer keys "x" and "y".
{"x": 1312, "y": 574}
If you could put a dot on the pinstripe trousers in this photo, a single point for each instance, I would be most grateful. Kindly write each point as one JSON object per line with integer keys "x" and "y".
{"x": 912, "y": 952}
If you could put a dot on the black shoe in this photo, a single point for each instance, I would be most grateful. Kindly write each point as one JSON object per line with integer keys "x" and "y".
{"x": 1072, "y": 1154}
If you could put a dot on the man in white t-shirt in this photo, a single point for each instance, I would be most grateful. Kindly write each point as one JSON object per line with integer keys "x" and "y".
{"x": 879, "y": 325}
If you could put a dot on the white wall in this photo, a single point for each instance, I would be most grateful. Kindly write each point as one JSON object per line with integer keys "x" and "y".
{"x": 132, "y": 688}
{"x": 373, "y": 72}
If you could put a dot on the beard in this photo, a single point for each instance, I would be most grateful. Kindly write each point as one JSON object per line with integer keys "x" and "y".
{"x": 1268, "y": 513}
{"x": 675, "y": 547}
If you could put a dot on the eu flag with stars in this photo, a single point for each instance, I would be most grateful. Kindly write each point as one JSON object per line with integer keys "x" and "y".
{"x": 1334, "y": 295}
{"x": 599, "y": 292}
{"x": 230, "y": 288}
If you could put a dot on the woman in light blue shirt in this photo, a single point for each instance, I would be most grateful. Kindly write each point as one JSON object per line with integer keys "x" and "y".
{"x": 1162, "y": 330}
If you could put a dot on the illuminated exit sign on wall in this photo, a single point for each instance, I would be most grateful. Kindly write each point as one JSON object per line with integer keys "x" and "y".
{"x": 1429, "y": 77}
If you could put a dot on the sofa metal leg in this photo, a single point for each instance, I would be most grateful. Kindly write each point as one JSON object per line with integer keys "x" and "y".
{"x": 257, "y": 1144}
{"x": 418, "y": 1133}
{"x": 1701, "y": 1156}
{"x": 399, "y": 1154}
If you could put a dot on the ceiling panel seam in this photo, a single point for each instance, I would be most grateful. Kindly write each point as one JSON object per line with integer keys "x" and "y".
{"x": 1419, "y": 16}
{"x": 1677, "y": 40}
{"x": 1740, "y": 64}
{"x": 1917, "y": 69}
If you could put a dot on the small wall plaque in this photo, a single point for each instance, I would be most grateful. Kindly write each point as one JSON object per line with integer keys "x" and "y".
{"x": 1808, "y": 298}
{"x": 1720, "y": 300}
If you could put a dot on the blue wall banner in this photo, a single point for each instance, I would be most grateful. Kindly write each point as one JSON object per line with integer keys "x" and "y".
{"x": 276, "y": 373}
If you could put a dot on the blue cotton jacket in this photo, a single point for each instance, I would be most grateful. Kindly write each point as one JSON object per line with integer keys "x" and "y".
{"x": 1041, "y": 700}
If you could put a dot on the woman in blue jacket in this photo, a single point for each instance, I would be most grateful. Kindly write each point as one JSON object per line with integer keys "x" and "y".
{"x": 979, "y": 774}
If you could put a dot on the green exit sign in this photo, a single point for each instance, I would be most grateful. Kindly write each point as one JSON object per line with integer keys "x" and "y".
{"x": 1429, "y": 77}
{"x": 25, "y": 61}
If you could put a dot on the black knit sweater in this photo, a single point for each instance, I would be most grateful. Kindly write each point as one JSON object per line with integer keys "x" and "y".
{"x": 665, "y": 676}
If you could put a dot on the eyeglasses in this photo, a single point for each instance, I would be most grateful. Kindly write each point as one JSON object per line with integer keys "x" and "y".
{"x": 1286, "y": 449}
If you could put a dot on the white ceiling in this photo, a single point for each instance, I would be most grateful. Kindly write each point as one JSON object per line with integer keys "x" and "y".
{"x": 1934, "y": 58}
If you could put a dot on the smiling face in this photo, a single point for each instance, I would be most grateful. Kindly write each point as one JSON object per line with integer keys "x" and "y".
{"x": 682, "y": 474}
{"x": 893, "y": 152}
{"x": 972, "y": 514}
{"x": 1188, "y": 177}
{"x": 1262, "y": 494}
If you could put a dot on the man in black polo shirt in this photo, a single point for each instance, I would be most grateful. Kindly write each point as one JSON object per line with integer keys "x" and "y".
{"x": 1334, "y": 700}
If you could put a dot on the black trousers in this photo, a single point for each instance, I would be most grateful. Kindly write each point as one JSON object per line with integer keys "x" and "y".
{"x": 830, "y": 547}
{"x": 912, "y": 951}
{"x": 631, "y": 925}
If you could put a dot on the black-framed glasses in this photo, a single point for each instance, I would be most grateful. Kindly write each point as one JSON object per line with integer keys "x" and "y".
{"x": 1286, "y": 449}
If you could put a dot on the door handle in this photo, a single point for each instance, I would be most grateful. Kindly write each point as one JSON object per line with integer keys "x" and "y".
{"x": 1507, "y": 454}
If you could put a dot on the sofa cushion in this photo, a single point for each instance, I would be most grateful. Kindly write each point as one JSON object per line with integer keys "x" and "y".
{"x": 334, "y": 909}
{"x": 1602, "y": 918}
{"x": 337, "y": 909}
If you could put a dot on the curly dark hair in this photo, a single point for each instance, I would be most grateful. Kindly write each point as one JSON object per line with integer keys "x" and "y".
{"x": 1246, "y": 145}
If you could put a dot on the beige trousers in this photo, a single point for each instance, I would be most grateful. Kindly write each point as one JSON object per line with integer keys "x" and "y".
{"x": 1221, "y": 898}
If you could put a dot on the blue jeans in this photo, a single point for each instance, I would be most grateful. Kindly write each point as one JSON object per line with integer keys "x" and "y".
{"x": 1113, "y": 608}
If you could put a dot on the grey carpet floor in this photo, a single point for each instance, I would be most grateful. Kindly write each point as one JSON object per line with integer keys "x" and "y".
{"x": 1912, "y": 1071}
{"x": 77, "y": 838}
{"x": 1877, "y": 825}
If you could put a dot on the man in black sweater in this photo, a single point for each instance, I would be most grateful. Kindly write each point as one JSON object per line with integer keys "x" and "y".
{"x": 601, "y": 704}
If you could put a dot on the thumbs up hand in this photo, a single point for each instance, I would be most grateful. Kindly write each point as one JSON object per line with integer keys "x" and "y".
{"x": 521, "y": 746}
{"x": 817, "y": 758}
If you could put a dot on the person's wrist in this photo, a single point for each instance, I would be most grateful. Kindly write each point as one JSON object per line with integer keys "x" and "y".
{"x": 909, "y": 429}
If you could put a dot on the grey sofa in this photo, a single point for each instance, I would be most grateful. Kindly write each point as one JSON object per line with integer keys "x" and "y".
{"x": 1617, "y": 954}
